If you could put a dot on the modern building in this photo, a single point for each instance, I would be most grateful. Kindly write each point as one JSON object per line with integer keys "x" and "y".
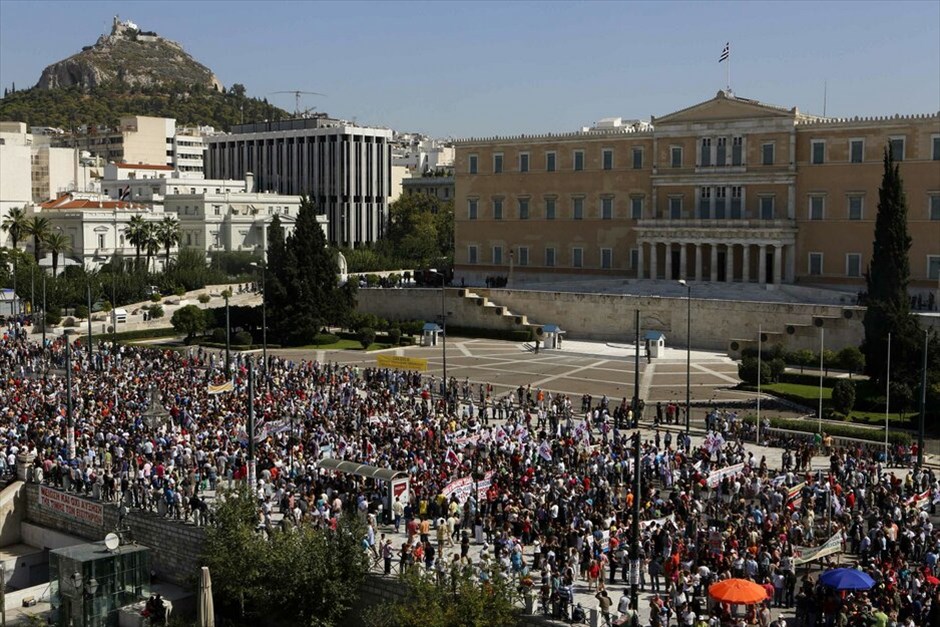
{"x": 141, "y": 139}
{"x": 727, "y": 190}
{"x": 345, "y": 169}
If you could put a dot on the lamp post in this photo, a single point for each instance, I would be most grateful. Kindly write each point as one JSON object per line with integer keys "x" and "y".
{"x": 688, "y": 356}
{"x": 923, "y": 405}
{"x": 822, "y": 335}
{"x": 228, "y": 329}
{"x": 264, "y": 317}
{"x": 636, "y": 371}
{"x": 90, "y": 339}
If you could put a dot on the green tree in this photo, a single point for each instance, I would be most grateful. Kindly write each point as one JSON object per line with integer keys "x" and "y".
{"x": 168, "y": 233}
{"x": 843, "y": 396}
{"x": 189, "y": 320}
{"x": 14, "y": 223}
{"x": 303, "y": 295}
{"x": 151, "y": 241}
{"x": 852, "y": 359}
{"x": 136, "y": 231}
{"x": 747, "y": 371}
{"x": 462, "y": 599}
{"x": 366, "y": 337}
{"x": 38, "y": 228}
{"x": 57, "y": 243}
{"x": 803, "y": 358}
{"x": 887, "y": 277}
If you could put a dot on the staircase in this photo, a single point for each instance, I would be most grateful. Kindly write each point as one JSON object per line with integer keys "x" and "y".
{"x": 480, "y": 311}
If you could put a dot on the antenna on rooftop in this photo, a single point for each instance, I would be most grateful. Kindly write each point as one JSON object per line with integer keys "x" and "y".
{"x": 297, "y": 93}
{"x": 825, "y": 96}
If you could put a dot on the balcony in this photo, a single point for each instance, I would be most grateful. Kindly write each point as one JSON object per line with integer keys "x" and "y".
{"x": 716, "y": 223}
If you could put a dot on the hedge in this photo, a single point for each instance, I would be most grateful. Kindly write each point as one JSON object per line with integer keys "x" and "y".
{"x": 142, "y": 334}
{"x": 838, "y": 430}
{"x": 807, "y": 379}
{"x": 237, "y": 347}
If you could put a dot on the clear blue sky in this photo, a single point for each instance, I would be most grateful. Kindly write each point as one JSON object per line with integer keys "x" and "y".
{"x": 479, "y": 68}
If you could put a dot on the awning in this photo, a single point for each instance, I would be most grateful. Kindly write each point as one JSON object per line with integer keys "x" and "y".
{"x": 361, "y": 470}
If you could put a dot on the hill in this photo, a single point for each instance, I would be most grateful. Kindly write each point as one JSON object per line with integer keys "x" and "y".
{"x": 68, "y": 107}
{"x": 132, "y": 72}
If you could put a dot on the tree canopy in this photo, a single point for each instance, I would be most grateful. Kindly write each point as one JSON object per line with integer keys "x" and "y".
{"x": 303, "y": 294}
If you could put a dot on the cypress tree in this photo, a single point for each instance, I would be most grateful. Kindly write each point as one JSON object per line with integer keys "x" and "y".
{"x": 887, "y": 277}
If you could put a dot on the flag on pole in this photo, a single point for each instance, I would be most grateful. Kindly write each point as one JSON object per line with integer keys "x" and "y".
{"x": 228, "y": 386}
{"x": 451, "y": 457}
{"x": 725, "y": 53}
{"x": 545, "y": 451}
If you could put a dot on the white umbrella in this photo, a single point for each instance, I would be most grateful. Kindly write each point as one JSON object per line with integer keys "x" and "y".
{"x": 206, "y": 609}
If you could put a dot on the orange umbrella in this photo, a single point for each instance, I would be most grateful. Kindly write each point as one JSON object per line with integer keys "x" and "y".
{"x": 737, "y": 592}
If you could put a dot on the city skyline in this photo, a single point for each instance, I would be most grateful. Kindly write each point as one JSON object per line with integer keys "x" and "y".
{"x": 482, "y": 69}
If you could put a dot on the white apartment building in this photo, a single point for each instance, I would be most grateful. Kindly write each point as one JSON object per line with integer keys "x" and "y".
{"x": 152, "y": 183}
{"x": 420, "y": 154}
{"x": 345, "y": 169}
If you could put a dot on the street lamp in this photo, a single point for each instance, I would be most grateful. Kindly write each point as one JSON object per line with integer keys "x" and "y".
{"x": 688, "y": 356}
{"x": 444, "y": 314}
{"x": 264, "y": 316}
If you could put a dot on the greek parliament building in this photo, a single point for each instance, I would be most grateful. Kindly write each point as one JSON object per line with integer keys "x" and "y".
{"x": 345, "y": 169}
{"x": 730, "y": 189}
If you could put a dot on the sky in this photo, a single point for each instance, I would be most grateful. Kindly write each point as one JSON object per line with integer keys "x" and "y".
{"x": 470, "y": 69}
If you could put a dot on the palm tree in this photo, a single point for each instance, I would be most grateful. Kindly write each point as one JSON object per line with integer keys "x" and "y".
{"x": 38, "y": 228}
{"x": 168, "y": 232}
{"x": 135, "y": 231}
{"x": 57, "y": 243}
{"x": 151, "y": 241}
{"x": 15, "y": 224}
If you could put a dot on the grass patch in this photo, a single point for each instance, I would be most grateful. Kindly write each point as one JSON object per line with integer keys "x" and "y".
{"x": 339, "y": 345}
{"x": 808, "y": 393}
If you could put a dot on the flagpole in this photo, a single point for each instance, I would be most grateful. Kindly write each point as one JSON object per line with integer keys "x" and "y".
{"x": 760, "y": 337}
{"x": 729, "y": 69}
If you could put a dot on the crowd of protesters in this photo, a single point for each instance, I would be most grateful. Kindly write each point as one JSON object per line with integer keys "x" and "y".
{"x": 550, "y": 500}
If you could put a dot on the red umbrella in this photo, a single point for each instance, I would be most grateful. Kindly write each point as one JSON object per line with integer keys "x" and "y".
{"x": 737, "y": 592}
{"x": 932, "y": 580}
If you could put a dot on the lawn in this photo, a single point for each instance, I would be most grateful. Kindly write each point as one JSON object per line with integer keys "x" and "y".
{"x": 809, "y": 395}
{"x": 346, "y": 345}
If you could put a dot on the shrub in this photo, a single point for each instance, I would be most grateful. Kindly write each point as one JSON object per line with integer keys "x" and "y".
{"x": 68, "y": 322}
{"x": 322, "y": 339}
{"x": 218, "y": 335}
{"x": 204, "y": 298}
{"x": 54, "y": 316}
{"x": 777, "y": 368}
{"x": 179, "y": 291}
{"x": 106, "y": 306}
{"x": 748, "y": 369}
{"x": 372, "y": 280}
{"x": 366, "y": 336}
{"x": 155, "y": 298}
{"x": 851, "y": 359}
{"x": 843, "y": 396}
{"x": 156, "y": 311}
{"x": 81, "y": 311}
{"x": 394, "y": 335}
{"x": 802, "y": 358}
{"x": 837, "y": 430}
{"x": 242, "y": 338}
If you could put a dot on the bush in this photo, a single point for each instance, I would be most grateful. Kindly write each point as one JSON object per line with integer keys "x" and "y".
{"x": 843, "y": 396}
{"x": 851, "y": 359}
{"x": 837, "y": 430}
{"x": 322, "y": 339}
{"x": 81, "y": 311}
{"x": 218, "y": 335}
{"x": 242, "y": 338}
{"x": 204, "y": 298}
{"x": 54, "y": 316}
{"x": 144, "y": 334}
{"x": 777, "y": 368}
{"x": 68, "y": 322}
{"x": 156, "y": 311}
{"x": 179, "y": 291}
{"x": 394, "y": 335}
{"x": 106, "y": 306}
{"x": 801, "y": 358}
{"x": 366, "y": 336}
{"x": 155, "y": 298}
{"x": 747, "y": 371}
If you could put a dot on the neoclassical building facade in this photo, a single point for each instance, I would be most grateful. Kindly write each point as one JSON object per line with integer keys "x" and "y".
{"x": 727, "y": 190}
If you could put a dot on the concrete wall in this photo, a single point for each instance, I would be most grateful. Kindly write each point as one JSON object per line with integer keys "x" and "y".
{"x": 176, "y": 546}
{"x": 12, "y": 502}
{"x": 609, "y": 317}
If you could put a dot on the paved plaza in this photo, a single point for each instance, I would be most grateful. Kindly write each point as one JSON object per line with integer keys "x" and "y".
{"x": 578, "y": 368}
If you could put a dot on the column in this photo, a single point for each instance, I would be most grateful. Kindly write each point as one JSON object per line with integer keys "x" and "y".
{"x": 714, "y": 265}
{"x": 698, "y": 262}
{"x": 641, "y": 249}
{"x": 654, "y": 249}
{"x": 778, "y": 263}
{"x": 762, "y": 264}
{"x": 790, "y": 263}
{"x": 729, "y": 264}
{"x": 746, "y": 264}
{"x": 791, "y": 201}
{"x": 669, "y": 261}
{"x": 683, "y": 261}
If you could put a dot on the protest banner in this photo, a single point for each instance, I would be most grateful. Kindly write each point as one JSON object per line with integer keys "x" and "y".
{"x": 72, "y": 506}
{"x": 804, "y": 554}
{"x": 463, "y": 487}
{"x": 728, "y": 471}
{"x": 397, "y": 362}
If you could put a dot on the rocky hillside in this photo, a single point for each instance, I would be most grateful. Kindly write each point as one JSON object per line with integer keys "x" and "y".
{"x": 132, "y": 72}
{"x": 131, "y": 57}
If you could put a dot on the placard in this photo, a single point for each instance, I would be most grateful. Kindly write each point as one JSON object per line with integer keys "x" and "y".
{"x": 72, "y": 506}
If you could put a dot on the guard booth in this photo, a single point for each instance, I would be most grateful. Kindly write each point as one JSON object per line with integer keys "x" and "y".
{"x": 90, "y": 583}
{"x": 397, "y": 483}
{"x": 551, "y": 335}
{"x": 655, "y": 344}
{"x": 430, "y": 334}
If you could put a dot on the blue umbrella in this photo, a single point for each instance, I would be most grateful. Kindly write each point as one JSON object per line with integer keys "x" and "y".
{"x": 846, "y": 579}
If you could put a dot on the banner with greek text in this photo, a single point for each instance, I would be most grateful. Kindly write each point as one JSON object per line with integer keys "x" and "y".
{"x": 463, "y": 487}
{"x": 728, "y": 471}
{"x": 72, "y": 506}
{"x": 803, "y": 554}
{"x": 397, "y": 362}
